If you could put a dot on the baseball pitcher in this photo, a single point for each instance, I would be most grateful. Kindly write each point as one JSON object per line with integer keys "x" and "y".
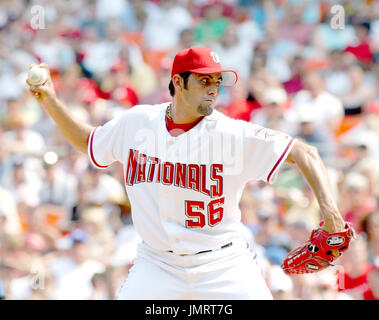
{"x": 185, "y": 168}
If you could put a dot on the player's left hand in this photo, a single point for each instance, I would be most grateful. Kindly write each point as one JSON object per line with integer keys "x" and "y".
{"x": 319, "y": 251}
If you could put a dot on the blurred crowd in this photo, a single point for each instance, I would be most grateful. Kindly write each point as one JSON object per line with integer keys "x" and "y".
{"x": 66, "y": 229}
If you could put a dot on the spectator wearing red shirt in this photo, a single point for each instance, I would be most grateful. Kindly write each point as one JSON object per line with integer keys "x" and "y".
{"x": 118, "y": 87}
{"x": 239, "y": 107}
{"x": 295, "y": 83}
{"x": 372, "y": 292}
{"x": 354, "y": 269}
{"x": 362, "y": 49}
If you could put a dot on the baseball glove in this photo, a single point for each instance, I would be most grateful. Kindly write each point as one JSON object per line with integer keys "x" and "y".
{"x": 319, "y": 251}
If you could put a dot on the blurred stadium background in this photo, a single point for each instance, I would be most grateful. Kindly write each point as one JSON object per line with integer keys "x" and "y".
{"x": 65, "y": 228}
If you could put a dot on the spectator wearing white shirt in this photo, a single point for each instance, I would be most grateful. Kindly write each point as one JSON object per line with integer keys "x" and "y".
{"x": 235, "y": 53}
{"x": 58, "y": 187}
{"x": 73, "y": 271}
{"x": 164, "y": 24}
{"x": 309, "y": 132}
{"x": 24, "y": 188}
{"x": 275, "y": 113}
{"x": 100, "y": 54}
{"x": 53, "y": 50}
{"x": 105, "y": 11}
{"x": 336, "y": 77}
{"x": 328, "y": 108}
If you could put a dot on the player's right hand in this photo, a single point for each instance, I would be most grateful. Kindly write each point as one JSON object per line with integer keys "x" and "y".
{"x": 43, "y": 92}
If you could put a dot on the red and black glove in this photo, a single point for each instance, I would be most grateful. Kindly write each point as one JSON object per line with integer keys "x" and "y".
{"x": 319, "y": 251}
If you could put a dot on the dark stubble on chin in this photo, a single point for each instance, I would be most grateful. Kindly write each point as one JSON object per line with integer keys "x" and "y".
{"x": 204, "y": 110}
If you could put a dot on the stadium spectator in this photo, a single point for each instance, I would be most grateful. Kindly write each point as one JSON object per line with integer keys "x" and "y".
{"x": 234, "y": 53}
{"x": 328, "y": 108}
{"x": 309, "y": 132}
{"x": 212, "y": 25}
{"x": 164, "y": 22}
{"x": 371, "y": 228}
{"x": 354, "y": 271}
{"x": 372, "y": 292}
{"x": 276, "y": 112}
{"x": 359, "y": 92}
{"x": 239, "y": 107}
{"x": 327, "y": 38}
{"x": 74, "y": 270}
{"x": 336, "y": 75}
{"x": 358, "y": 202}
{"x": 294, "y": 84}
{"x": 361, "y": 49}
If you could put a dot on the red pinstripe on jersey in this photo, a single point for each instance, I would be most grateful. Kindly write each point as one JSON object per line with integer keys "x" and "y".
{"x": 91, "y": 150}
{"x": 280, "y": 160}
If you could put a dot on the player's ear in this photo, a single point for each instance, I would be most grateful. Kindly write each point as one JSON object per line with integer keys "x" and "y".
{"x": 178, "y": 82}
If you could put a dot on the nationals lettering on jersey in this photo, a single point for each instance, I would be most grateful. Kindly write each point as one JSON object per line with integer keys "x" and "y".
{"x": 143, "y": 168}
{"x": 184, "y": 191}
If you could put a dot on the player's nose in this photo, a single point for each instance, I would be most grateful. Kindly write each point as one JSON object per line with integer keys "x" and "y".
{"x": 213, "y": 90}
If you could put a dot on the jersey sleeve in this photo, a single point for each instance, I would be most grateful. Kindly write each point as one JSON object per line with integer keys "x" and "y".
{"x": 265, "y": 152}
{"x": 106, "y": 142}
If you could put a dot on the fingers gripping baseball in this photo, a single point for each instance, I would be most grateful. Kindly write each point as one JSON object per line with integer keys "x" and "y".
{"x": 39, "y": 81}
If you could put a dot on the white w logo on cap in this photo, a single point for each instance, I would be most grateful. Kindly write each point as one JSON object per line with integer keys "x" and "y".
{"x": 215, "y": 57}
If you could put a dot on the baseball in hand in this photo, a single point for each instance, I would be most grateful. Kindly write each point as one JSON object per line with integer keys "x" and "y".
{"x": 37, "y": 75}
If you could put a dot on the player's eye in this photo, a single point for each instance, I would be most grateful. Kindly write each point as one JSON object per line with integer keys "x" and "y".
{"x": 207, "y": 82}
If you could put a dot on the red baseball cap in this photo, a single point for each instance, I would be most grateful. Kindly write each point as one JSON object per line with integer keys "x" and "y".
{"x": 202, "y": 61}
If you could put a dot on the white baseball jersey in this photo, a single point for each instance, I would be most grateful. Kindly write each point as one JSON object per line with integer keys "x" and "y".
{"x": 184, "y": 190}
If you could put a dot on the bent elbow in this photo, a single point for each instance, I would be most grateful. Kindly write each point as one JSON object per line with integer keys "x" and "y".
{"x": 303, "y": 152}
{"x": 312, "y": 152}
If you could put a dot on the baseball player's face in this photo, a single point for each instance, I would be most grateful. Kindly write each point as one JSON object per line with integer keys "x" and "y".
{"x": 202, "y": 92}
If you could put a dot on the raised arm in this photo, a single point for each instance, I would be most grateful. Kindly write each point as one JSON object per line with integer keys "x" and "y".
{"x": 308, "y": 161}
{"x": 73, "y": 129}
